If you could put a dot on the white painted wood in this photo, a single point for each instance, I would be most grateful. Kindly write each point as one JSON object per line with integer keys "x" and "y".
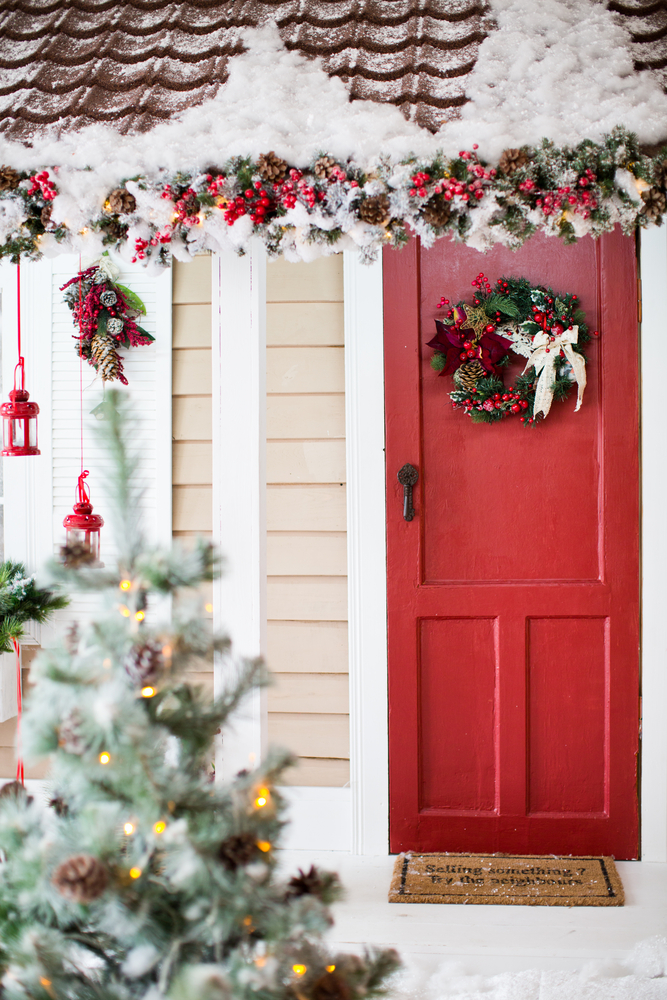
{"x": 654, "y": 548}
{"x": 367, "y": 589}
{"x": 239, "y": 485}
{"x": 317, "y": 816}
{"x": 28, "y": 481}
{"x": 8, "y": 688}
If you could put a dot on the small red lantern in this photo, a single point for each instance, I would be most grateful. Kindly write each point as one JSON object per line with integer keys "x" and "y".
{"x": 83, "y": 528}
{"x": 19, "y": 421}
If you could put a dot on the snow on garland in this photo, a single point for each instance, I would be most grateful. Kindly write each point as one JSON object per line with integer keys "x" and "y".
{"x": 105, "y": 314}
{"x": 302, "y": 213}
{"x": 474, "y": 341}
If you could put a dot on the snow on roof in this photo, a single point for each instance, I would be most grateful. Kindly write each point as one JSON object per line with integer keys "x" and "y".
{"x": 78, "y": 62}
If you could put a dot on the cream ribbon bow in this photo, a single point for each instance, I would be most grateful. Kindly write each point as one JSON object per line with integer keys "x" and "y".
{"x": 545, "y": 353}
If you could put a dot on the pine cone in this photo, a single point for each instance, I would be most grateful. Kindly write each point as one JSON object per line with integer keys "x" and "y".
{"x": 76, "y": 555}
{"x": 9, "y": 179}
{"x": 105, "y": 358}
{"x": 468, "y": 374}
{"x": 45, "y": 215}
{"x": 324, "y": 167}
{"x": 330, "y": 986}
{"x": 375, "y": 210}
{"x": 16, "y": 791}
{"x": 512, "y": 160}
{"x": 116, "y": 230}
{"x": 145, "y": 663}
{"x": 82, "y": 878}
{"x": 654, "y": 205}
{"x": 310, "y": 883}
{"x": 237, "y": 850}
{"x": 436, "y": 211}
{"x": 271, "y": 167}
{"x": 59, "y": 806}
{"x": 69, "y": 734}
{"x": 121, "y": 202}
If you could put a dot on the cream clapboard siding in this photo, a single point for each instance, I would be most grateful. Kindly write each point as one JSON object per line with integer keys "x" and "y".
{"x": 307, "y": 586}
{"x": 306, "y": 519}
{"x": 191, "y": 414}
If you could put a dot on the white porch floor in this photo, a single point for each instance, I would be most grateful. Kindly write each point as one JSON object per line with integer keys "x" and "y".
{"x": 488, "y": 940}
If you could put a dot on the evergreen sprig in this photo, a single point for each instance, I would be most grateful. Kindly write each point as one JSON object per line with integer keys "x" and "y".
{"x": 21, "y": 601}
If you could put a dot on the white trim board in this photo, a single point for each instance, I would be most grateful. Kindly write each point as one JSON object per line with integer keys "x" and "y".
{"x": 654, "y": 548}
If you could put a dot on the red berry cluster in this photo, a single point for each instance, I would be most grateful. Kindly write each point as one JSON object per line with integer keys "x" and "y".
{"x": 215, "y": 185}
{"x": 575, "y": 198}
{"x": 419, "y": 182}
{"x": 297, "y": 187}
{"x": 508, "y": 401}
{"x": 43, "y": 184}
{"x": 140, "y": 246}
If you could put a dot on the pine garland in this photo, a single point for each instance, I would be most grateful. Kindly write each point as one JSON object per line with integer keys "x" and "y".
{"x": 567, "y": 191}
{"x": 22, "y": 601}
{"x": 105, "y": 314}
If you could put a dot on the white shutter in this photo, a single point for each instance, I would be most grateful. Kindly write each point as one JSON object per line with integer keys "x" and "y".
{"x": 42, "y": 495}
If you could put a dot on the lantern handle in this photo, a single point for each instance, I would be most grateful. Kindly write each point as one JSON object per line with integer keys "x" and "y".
{"x": 21, "y": 366}
{"x": 82, "y": 488}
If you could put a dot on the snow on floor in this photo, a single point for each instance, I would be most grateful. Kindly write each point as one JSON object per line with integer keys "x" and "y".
{"x": 506, "y": 952}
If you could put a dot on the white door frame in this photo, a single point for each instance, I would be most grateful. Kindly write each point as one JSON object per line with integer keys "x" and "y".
{"x": 366, "y": 530}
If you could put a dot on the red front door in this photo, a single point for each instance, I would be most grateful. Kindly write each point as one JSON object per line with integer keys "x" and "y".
{"x": 513, "y": 611}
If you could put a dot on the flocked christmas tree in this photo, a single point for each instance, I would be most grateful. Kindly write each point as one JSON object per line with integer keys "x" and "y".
{"x": 143, "y": 877}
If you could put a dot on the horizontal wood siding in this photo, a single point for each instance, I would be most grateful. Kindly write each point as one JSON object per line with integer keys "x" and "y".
{"x": 306, "y": 519}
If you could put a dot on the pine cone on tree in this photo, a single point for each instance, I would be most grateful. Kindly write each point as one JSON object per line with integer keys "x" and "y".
{"x": 81, "y": 879}
{"x": 116, "y": 230}
{"x": 237, "y": 850}
{"x": 76, "y": 555}
{"x": 436, "y": 211}
{"x": 16, "y": 791}
{"x": 324, "y": 167}
{"x": 145, "y": 663}
{"x": 121, "y": 202}
{"x": 469, "y": 374}
{"x": 59, "y": 806}
{"x": 375, "y": 210}
{"x": 655, "y": 204}
{"x": 512, "y": 160}
{"x": 9, "y": 179}
{"x": 45, "y": 215}
{"x": 271, "y": 167}
{"x": 331, "y": 986}
{"x": 69, "y": 734}
{"x": 105, "y": 357}
{"x": 324, "y": 885}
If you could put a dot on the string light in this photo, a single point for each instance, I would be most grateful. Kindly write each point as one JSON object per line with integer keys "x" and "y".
{"x": 105, "y": 757}
{"x": 160, "y": 826}
{"x": 208, "y": 607}
{"x": 135, "y": 872}
{"x": 106, "y": 663}
{"x": 44, "y": 982}
{"x": 166, "y": 652}
{"x": 299, "y": 970}
{"x": 129, "y": 828}
{"x": 147, "y": 692}
{"x": 330, "y": 968}
{"x": 264, "y": 845}
{"x": 125, "y": 584}
{"x": 262, "y": 798}
{"x": 140, "y": 615}
{"x": 125, "y": 612}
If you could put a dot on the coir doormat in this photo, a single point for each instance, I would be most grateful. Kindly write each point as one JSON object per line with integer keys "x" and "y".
{"x": 529, "y": 880}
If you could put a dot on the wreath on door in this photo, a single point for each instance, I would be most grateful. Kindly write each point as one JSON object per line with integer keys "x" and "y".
{"x": 475, "y": 342}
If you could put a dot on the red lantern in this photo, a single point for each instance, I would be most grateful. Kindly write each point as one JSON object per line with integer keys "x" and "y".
{"x": 83, "y": 528}
{"x": 19, "y": 417}
{"x": 19, "y": 421}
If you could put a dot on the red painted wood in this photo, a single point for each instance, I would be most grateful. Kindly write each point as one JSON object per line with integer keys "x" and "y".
{"x": 513, "y": 596}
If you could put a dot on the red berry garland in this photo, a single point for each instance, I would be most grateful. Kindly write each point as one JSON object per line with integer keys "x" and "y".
{"x": 475, "y": 341}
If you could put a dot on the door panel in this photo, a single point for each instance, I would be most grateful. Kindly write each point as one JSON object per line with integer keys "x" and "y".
{"x": 513, "y": 595}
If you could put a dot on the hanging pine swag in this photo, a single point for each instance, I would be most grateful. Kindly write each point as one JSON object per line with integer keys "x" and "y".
{"x": 105, "y": 314}
{"x": 475, "y": 342}
{"x": 22, "y": 601}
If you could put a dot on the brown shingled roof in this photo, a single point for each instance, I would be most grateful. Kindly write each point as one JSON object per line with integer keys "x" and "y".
{"x": 70, "y": 63}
